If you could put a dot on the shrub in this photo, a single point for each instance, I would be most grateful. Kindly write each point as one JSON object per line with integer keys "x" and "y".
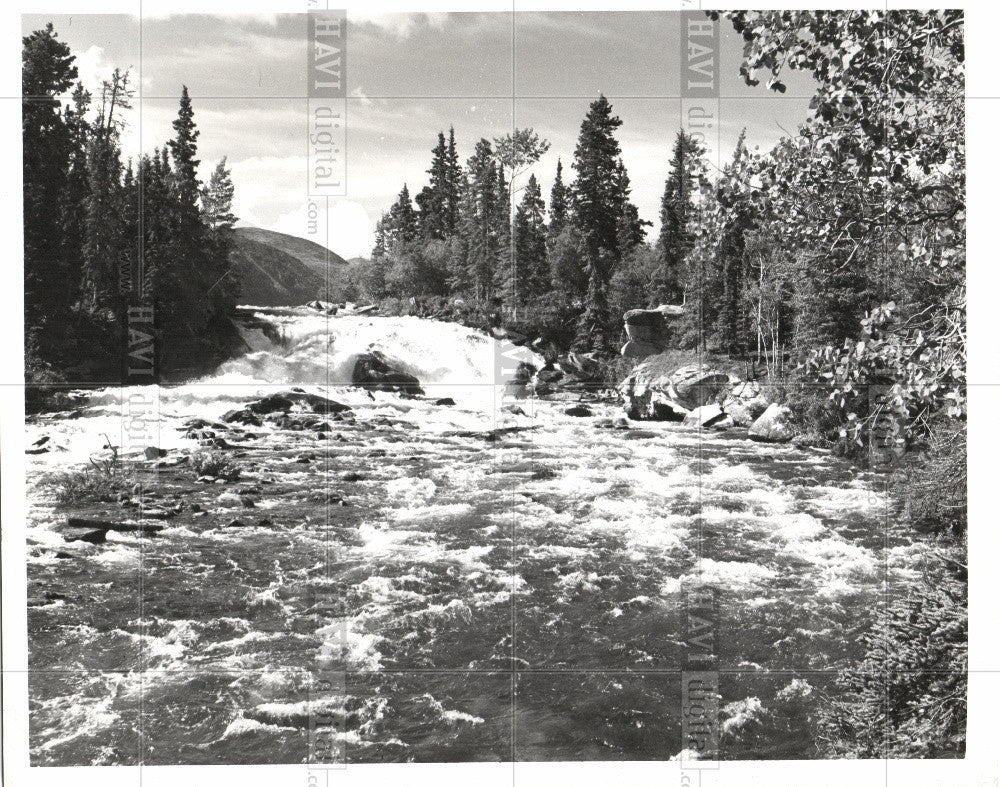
{"x": 215, "y": 463}
{"x": 104, "y": 481}
{"x": 909, "y": 696}
{"x": 933, "y": 490}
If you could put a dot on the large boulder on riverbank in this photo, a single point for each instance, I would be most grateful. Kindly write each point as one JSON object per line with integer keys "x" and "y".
{"x": 375, "y": 372}
{"x": 745, "y": 403}
{"x": 773, "y": 426}
{"x": 649, "y": 331}
{"x": 696, "y": 386}
{"x": 656, "y": 390}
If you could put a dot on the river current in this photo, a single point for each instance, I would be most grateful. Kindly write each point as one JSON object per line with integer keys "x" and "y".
{"x": 483, "y": 580}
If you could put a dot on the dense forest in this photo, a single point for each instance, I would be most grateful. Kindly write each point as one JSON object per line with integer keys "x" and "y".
{"x": 836, "y": 259}
{"x": 101, "y": 234}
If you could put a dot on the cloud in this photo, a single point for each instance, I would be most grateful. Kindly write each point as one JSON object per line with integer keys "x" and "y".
{"x": 401, "y": 25}
{"x": 359, "y": 94}
{"x": 92, "y": 67}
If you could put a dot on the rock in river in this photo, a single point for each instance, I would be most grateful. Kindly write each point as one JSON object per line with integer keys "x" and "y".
{"x": 708, "y": 415}
{"x": 773, "y": 426}
{"x": 374, "y": 371}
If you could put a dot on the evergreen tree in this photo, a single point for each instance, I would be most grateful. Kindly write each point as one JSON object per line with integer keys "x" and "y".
{"x": 530, "y": 257}
{"x": 676, "y": 214}
{"x": 402, "y": 226}
{"x": 482, "y": 217}
{"x": 50, "y": 272}
{"x": 558, "y": 205}
{"x": 600, "y": 211}
{"x": 453, "y": 185}
{"x": 736, "y": 221}
{"x": 505, "y": 280}
{"x": 106, "y": 239}
{"x": 433, "y": 198}
{"x": 217, "y": 198}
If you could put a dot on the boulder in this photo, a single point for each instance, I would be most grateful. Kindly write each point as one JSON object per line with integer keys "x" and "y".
{"x": 634, "y": 348}
{"x": 611, "y": 423}
{"x": 773, "y": 426}
{"x": 549, "y": 374}
{"x": 649, "y": 331}
{"x": 655, "y": 391}
{"x": 663, "y": 408}
{"x": 245, "y": 416}
{"x": 695, "y": 386}
{"x": 745, "y": 403}
{"x": 579, "y": 411}
{"x": 706, "y": 415}
{"x": 374, "y": 371}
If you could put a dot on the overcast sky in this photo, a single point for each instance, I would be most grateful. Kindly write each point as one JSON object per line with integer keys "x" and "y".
{"x": 410, "y": 76}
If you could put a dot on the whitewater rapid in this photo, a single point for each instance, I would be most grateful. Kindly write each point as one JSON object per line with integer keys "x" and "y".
{"x": 302, "y": 348}
{"x": 461, "y": 569}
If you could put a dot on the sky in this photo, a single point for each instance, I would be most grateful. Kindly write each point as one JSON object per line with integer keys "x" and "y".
{"x": 410, "y": 76}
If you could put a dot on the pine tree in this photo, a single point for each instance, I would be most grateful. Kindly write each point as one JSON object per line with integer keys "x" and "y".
{"x": 217, "y": 198}
{"x": 730, "y": 258}
{"x": 676, "y": 213}
{"x": 558, "y": 205}
{"x": 51, "y": 274}
{"x": 505, "y": 269}
{"x": 217, "y": 214}
{"x": 105, "y": 248}
{"x": 453, "y": 185}
{"x": 480, "y": 221}
{"x": 402, "y": 227}
{"x": 601, "y": 213}
{"x": 183, "y": 149}
{"x": 433, "y": 198}
{"x": 530, "y": 257}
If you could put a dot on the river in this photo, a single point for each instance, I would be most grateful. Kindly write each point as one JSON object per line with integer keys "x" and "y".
{"x": 445, "y": 590}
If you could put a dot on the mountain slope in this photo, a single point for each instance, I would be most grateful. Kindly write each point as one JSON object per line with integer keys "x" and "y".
{"x": 275, "y": 269}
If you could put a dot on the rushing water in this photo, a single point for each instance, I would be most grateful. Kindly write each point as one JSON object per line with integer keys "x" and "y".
{"x": 445, "y": 591}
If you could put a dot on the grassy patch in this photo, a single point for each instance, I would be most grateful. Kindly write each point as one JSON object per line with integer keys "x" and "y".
{"x": 102, "y": 481}
{"x": 215, "y": 464}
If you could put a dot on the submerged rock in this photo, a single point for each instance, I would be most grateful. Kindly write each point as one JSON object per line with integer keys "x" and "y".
{"x": 773, "y": 426}
{"x": 580, "y": 411}
{"x": 374, "y": 371}
{"x": 245, "y": 416}
{"x": 90, "y": 536}
{"x": 283, "y": 402}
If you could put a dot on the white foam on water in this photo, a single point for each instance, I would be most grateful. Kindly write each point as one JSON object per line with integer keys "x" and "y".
{"x": 79, "y": 715}
{"x": 343, "y": 641}
{"x": 741, "y": 713}
{"x": 731, "y": 574}
{"x": 426, "y": 513}
{"x": 241, "y": 726}
{"x": 452, "y": 716}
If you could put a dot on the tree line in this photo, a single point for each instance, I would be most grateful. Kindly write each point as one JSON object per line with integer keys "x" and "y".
{"x": 101, "y": 233}
{"x": 837, "y": 257}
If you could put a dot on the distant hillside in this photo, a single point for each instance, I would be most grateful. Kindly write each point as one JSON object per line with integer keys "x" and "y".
{"x": 281, "y": 270}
